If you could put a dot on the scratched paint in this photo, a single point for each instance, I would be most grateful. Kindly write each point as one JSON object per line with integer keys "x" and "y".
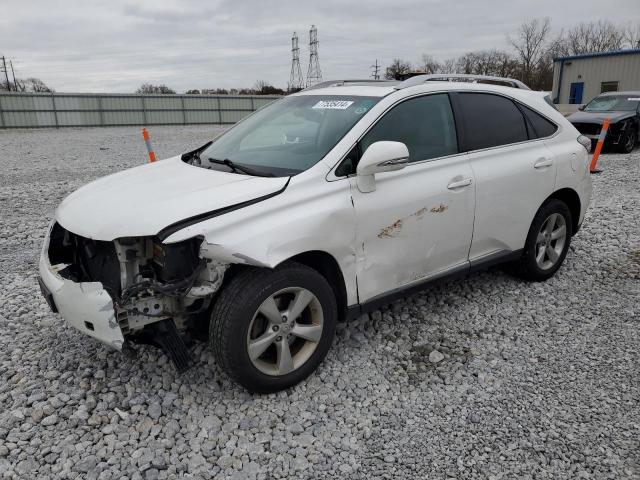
{"x": 394, "y": 229}
{"x": 439, "y": 209}
{"x": 421, "y": 213}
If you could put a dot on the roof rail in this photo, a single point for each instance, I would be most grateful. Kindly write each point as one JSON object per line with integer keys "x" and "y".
{"x": 343, "y": 83}
{"x": 461, "y": 77}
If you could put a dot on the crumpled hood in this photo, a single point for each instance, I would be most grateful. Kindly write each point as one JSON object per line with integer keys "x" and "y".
{"x": 143, "y": 200}
{"x": 598, "y": 117}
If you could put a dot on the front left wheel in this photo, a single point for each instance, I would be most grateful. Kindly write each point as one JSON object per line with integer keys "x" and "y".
{"x": 270, "y": 329}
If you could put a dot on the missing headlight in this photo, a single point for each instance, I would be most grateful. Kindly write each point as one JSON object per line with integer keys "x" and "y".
{"x": 175, "y": 261}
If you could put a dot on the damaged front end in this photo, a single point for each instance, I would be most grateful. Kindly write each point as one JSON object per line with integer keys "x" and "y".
{"x": 133, "y": 289}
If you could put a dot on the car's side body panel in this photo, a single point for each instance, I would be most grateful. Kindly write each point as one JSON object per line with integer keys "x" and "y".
{"x": 413, "y": 226}
{"x": 511, "y": 183}
{"x": 310, "y": 215}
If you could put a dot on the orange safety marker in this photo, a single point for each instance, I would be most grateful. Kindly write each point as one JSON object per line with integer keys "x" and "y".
{"x": 596, "y": 154}
{"x": 145, "y": 135}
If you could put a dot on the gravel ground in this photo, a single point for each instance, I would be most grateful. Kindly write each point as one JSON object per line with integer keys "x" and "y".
{"x": 488, "y": 377}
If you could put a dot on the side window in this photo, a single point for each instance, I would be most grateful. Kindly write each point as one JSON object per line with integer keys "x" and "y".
{"x": 491, "y": 120}
{"x": 424, "y": 124}
{"x": 541, "y": 126}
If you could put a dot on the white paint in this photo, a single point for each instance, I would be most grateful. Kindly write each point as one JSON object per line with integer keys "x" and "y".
{"x": 413, "y": 226}
{"x": 143, "y": 200}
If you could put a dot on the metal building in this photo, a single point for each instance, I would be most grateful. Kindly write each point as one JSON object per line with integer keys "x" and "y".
{"x": 579, "y": 78}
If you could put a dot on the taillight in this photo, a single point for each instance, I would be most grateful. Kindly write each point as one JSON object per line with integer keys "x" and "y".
{"x": 585, "y": 142}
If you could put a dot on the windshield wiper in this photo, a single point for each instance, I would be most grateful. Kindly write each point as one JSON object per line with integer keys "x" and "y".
{"x": 240, "y": 168}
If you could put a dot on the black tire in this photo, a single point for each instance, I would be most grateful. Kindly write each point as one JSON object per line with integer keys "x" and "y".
{"x": 528, "y": 267}
{"x": 628, "y": 140}
{"x": 234, "y": 310}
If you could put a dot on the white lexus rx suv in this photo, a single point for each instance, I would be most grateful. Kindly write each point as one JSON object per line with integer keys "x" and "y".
{"x": 315, "y": 209}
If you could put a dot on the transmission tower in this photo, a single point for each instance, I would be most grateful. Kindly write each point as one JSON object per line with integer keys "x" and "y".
{"x": 314, "y": 74}
{"x": 296, "y": 81}
{"x": 376, "y": 71}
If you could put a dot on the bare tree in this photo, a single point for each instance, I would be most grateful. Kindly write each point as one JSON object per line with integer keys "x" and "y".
{"x": 148, "y": 89}
{"x": 601, "y": 36}
{"x": 428, "y": 64}
{"x": 487, "y": 62}
{"x": 529, "y": 43}
{"x": 398, "y": 69}
{"x": 632, "y": 35}
{"x": 261, "y": 85}
{"x": 31, "y": 84}
{"x": 448, "y": 66}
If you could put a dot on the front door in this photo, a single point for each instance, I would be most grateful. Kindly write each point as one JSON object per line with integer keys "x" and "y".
{"x": 575, "y": 92}
{"x": 418, "y": 222}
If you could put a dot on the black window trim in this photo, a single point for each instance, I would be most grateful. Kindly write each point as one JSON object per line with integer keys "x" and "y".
{"x": 457, "y": 126}
{"x": 455, "y": 101}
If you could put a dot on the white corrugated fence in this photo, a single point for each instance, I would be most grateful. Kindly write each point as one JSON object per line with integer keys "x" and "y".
{"x": 36, "y": 110}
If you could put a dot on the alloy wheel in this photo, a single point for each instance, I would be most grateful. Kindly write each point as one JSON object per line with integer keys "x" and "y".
{"x": 550, "y": 241}
{"x": 285, "y": 331}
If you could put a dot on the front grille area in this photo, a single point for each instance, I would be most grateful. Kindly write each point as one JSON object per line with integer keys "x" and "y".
{"x": 87, "y": 260}
{"x": 588, "y": 128}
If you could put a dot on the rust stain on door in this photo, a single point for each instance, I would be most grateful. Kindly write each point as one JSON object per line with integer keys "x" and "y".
{"x": 439, "y": 209}
{"x": 392, "y": 230}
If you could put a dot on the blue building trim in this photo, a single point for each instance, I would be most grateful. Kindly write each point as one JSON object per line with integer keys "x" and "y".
{"x": 599, "y": 54}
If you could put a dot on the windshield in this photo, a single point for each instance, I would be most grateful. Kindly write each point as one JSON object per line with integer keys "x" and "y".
{"x": 289, "y": 135}
{"x": 610, "y": 103}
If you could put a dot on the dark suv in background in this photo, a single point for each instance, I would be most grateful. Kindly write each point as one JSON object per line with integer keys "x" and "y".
{"x": 622, "y": 108}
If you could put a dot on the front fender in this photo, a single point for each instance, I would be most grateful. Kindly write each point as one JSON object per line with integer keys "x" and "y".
{"x": 310, "y": 215}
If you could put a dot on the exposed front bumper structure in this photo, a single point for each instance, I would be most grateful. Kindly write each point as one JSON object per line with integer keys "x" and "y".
{"x": 85, "y": 306}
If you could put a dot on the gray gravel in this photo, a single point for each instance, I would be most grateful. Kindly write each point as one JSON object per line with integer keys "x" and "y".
{"x": 489, "y": 377}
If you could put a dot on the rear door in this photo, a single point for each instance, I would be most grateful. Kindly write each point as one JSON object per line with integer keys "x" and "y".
{"x": 514, "y": 171}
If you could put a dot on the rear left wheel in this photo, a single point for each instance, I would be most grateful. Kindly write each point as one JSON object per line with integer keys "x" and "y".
{"x": 270, "y": 329}
{"x": 547, "y": 242}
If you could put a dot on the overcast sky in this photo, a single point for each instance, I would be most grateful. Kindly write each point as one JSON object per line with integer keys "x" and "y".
{"x": 115, "y": 45}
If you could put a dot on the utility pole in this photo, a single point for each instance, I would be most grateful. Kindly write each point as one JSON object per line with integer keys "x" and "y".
{"x": 6, "y": 73}
{"x": 15, "y": 84}
{"x": 376, "y": 71}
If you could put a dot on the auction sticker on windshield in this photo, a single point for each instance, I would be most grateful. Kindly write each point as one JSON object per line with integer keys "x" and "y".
{"x": 333, "y": 104}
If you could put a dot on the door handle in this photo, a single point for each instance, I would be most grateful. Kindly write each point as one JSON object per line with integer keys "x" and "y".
{"x": 459, "y": 184}
{"x": 543, "y": 162}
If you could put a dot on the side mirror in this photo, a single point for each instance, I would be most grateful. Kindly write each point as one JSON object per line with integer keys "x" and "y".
{"x": 384, "y": 156}
{"x": 582, "y": 107}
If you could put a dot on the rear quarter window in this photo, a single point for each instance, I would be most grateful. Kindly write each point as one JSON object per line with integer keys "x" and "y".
{"x": 541, "y": 126}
